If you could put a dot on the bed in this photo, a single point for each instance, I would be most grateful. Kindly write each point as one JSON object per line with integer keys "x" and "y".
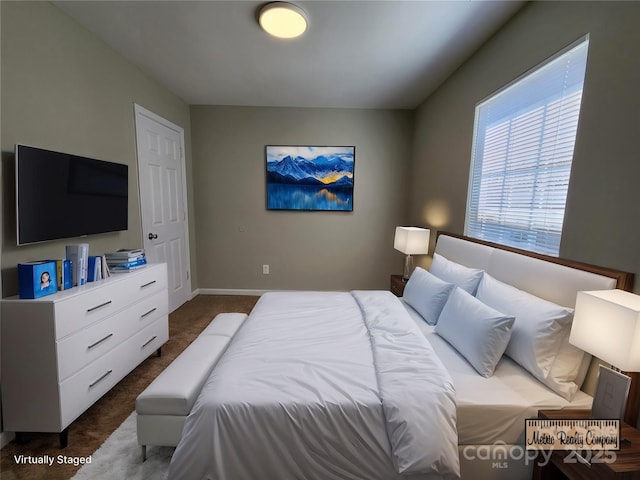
{"x": 363, "y": 385}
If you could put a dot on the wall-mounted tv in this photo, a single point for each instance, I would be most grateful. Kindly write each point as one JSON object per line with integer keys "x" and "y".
{"x": 59, "y": 195}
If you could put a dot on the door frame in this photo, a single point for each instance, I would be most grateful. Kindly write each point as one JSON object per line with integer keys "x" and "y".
{"x": 138, "y": 109}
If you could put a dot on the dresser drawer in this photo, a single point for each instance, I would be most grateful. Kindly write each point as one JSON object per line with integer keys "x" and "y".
{"x": 78, "y": 350}
{"x": 146, "y": 281}
{"x": 77, "y": 312}
{"x": 81, "y": 390}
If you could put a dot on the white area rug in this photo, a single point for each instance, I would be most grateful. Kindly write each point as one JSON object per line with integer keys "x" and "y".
{"x": 120, "y": 457}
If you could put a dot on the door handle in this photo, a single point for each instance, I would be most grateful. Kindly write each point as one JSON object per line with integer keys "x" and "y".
{"x": 153, "y": 236}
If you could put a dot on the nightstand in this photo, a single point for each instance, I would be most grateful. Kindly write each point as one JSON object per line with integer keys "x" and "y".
{"x": 397, "y": 285}
{"x": 625, "y": 466}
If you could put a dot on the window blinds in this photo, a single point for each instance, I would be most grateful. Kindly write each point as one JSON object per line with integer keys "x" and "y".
{"x": 522, "y": 151}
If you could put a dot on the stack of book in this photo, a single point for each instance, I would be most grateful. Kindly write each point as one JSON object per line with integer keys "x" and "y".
{"x": 97, "y": 268}
{"x": 65, "y": 275}
{"x": 126, "y": 260}
{"x": 79, "y": 267}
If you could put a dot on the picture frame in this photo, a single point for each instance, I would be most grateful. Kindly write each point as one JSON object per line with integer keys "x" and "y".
{"x": 309, "y": 177}
{"x": 612, "y": 391}
{"x": 37, "y": 279}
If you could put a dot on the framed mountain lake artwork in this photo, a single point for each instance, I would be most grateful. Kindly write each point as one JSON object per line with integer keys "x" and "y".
{"x": 310, "y": 177}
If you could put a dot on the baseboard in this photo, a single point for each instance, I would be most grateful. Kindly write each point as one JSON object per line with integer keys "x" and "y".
{"x": 5, "y": 438}
{"x": 243, "y": 291}
{"x": 229, "y": 291}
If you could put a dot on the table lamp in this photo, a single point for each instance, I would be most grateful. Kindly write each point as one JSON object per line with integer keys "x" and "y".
{"x": 606, "y": 324}
{"x": 411, "y": 241}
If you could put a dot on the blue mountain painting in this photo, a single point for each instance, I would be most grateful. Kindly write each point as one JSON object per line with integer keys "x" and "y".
{"x": 310, "y": 178}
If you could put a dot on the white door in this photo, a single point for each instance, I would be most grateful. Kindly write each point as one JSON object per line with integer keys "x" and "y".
{"x": 161, "y": 178}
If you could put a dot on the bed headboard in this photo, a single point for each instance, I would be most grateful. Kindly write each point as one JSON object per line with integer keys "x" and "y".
{"x": 551, "y": 278}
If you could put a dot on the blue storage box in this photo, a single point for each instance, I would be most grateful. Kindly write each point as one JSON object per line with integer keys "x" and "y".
{"x": 37, "y": 279}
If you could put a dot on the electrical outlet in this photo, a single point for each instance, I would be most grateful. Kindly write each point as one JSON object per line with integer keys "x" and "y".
{"x": 265, "y": 269}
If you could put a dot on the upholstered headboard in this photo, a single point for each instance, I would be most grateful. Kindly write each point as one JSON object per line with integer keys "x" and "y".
{"x": 551, "y": 278}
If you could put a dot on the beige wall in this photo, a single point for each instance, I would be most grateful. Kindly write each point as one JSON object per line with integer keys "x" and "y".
{"x": 236, "y": 234}
{"x": 602, "y": 219}
{"x": 64, "y": 89}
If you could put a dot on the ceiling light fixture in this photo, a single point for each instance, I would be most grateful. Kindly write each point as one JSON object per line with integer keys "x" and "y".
{"x": 282, "y": 20}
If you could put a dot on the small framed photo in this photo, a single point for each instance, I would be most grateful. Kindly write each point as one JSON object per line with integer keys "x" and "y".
{"x": 612, "y": 390}
{"x": 37, "y": 279}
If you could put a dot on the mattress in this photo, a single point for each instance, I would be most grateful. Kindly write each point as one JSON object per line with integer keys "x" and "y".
{"x": 491, "y": 410}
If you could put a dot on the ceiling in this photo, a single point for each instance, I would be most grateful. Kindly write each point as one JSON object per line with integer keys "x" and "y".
{"x": 355, "y": 54}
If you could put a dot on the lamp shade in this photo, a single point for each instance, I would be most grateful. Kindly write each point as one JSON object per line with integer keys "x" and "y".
{"x": 606, "y": 323}
{"x": 412, "y": 240}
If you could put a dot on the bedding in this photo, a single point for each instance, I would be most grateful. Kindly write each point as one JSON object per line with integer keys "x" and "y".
{"x": 539, "y": 330}
{"x": 493, "y": 409}
{"x": 478, "y": 332}
{"x": 323, "y": 385}
{"x": 464, "y": 277}
{"x": 427, "y": 294}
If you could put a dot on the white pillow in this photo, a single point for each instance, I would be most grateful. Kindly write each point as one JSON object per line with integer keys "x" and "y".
{"x": 569, "y": 369}
{"x": 541, "y": 328}
{"x": 476, "y": 330}
{"x": 464, "y": 277}
{"x": 427, "y": 294}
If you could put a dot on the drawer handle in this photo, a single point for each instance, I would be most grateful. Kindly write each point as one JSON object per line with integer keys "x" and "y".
{"x": 99, "y": 341}
{"x": 99, "y": 306}
{"x": 147, "y": 284}
{"x": 149, "y": 341}
{"x": 149, "y": 312}
{"x": 91, "y": 385}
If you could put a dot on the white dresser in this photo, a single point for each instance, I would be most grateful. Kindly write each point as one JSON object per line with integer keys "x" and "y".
{"x": 62, "y": 352}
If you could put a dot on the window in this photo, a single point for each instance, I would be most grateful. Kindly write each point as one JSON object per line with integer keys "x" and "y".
{"x": 522, "y": 151}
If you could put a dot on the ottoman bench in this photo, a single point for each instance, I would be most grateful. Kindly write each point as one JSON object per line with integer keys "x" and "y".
{"x": 163, "y": 406}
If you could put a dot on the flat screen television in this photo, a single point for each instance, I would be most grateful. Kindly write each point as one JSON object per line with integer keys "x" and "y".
{"x": 59, "y": 195}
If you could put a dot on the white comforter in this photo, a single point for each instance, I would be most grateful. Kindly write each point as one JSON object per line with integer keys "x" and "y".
{"x": 323, "y": 386}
